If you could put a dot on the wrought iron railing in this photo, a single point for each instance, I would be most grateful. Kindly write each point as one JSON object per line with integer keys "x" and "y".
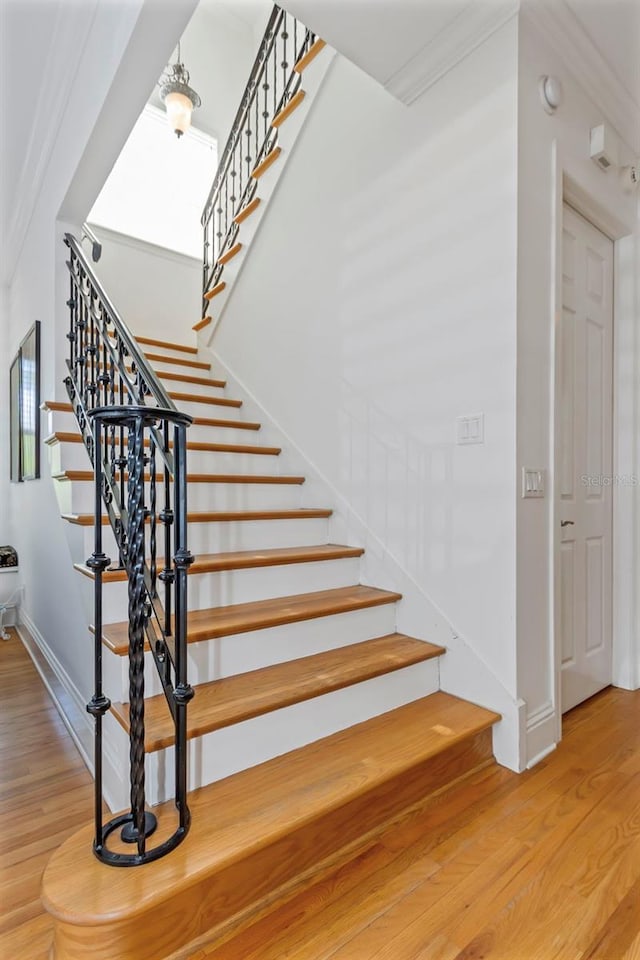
{"x": 136, "y": 439}
{"x": 272, "y": 84}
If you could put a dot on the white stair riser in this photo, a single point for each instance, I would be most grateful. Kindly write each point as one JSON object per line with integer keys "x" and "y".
{"x": 206, "y": 434}
{"x": 210, "y": 410}
{"x": 148, "y": 348}
{"x": 225, "y": 752}
{"x": 221, "y": 537}
{"x": 77, "y": 496}
{"x": 73, "y": 456}
{"x": 239, "y": 586}
{"x": 242, "y": 652}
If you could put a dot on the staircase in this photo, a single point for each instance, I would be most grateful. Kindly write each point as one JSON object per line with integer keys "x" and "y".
{"x": 315, "y": 722}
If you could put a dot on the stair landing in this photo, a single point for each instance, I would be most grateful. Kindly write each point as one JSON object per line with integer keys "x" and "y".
{"x": 263, "y": 834}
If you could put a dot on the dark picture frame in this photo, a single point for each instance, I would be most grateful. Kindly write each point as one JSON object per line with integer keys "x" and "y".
{"x": 25, "y": 408}
{"x": 14, "y": 419}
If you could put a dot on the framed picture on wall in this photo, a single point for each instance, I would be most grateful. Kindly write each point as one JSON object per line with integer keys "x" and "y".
{"x": 25, "y": 408}
{"x": 14, "y": 419}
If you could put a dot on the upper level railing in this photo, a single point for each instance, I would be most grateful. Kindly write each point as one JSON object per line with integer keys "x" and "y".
{"x": 136, "y": 439}
{"x": 272, "y": 84}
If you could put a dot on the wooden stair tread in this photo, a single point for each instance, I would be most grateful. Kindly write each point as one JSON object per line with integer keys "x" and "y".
{"x": 220, "y": 703}
{"x": 286, "y": 111}
{"x": 196, "y": 364}
{"x": 149, "y": 341}
{"x": 247, "y": 559}
{"x": 201, "y": 324}
{"x": 230, "y": 254}
{"x": 316, "y": 47}
{"x": 256, "y": 810}
{"x": 219, "y": 287}
{"x": 63, "y": 436}
{"x": 261, "y": 614}
{"x": 247, "y": 210}
{"x": 216, "y": 516}
{"x": 215, "y": 401}
{"x": 58, "y": 406}
{"x": 264, "y": 165}
{"x": 232, "y": 424}
{"x": 84, "y": 476}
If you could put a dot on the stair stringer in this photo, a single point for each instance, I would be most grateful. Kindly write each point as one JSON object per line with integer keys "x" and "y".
{"x": 312, "y": 79}
{"x": 463, "y": 671}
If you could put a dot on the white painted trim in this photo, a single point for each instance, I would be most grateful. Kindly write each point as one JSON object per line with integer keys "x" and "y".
{"x": 564, "y": 32}
{"x": 153, "y": 249}
{"x": 80, "y": 724}
{"x": 475, "y": 24}
{"x": 626, "y": 462}
{"x": 626, "y": 647}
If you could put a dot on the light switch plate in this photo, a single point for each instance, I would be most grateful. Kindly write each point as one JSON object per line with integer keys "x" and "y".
{"x": 533, "y": 482}
{"x": 470, "y": 429}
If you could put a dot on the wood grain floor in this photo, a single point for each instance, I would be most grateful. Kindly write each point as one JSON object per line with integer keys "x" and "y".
{"x": 45, "y": 795}
{"x": 541, "y": 866}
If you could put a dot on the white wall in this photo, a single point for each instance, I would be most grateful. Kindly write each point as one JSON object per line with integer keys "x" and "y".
{"x": 551, "y": 147}
{"x": 157, "y": 292}
{"x": 378, "y": 303}
{"x": 115, "y": 61}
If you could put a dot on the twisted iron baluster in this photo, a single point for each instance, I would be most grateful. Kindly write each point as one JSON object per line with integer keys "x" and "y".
{"x": 99, "y": 703}
{"x": 136, "y": 832}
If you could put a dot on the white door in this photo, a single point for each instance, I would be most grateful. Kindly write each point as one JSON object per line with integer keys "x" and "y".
{"x": 585, "y": 460}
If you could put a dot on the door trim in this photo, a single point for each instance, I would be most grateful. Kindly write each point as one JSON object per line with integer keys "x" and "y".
{"x": 625, "y": 607}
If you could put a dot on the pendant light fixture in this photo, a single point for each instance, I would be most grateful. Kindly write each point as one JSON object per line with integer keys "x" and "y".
{"x": 179, "y": 98}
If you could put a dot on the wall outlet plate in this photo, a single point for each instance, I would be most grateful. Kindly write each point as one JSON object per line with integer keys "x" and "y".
{"x": 470, "y": 429}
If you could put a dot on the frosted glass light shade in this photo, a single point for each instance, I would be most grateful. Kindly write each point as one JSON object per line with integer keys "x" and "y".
{"x": 179, "y": 109}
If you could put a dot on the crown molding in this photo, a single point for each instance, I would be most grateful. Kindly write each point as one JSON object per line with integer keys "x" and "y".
{"x": 68, "y": 38}
{"x": 565, "y": 34}
{"x": 470, "y": 28}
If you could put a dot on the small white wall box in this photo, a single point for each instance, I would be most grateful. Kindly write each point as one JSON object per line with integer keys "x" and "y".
{"x": 532, "y": 482}
{"x": 470, "y": 429}
{"x": 604, "y": 146}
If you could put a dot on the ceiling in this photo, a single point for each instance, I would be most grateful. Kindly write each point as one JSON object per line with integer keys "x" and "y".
{"x": 614, "y": 28}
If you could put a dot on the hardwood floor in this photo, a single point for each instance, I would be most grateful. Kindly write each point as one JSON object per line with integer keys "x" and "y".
{"x": 45, "y": 795}
{"x": 541, "y": 866}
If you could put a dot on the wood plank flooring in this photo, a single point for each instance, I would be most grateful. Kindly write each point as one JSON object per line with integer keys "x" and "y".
{"x": 45, "y": 795}
{"x": 541, "y": 866}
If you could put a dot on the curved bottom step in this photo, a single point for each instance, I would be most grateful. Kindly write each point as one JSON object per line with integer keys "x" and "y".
{"x": 262, "y": 833}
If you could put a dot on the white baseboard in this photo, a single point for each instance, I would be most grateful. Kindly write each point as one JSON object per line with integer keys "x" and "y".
{"x": 71, "y": 706}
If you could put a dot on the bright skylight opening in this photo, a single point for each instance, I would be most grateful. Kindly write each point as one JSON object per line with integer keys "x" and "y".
{"x": 159, "y": 184}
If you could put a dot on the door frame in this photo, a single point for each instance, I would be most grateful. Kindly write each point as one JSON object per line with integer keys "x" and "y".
{"x": 625, "y": 642}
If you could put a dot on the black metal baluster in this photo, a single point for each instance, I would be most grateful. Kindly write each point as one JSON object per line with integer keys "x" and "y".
{"x": 285, "y": 64}
{"x": 142, "y": 824}
{"x": 182, "y": 560}
{"x": 99, "y": 703}
{"x": 166, "y": 517}
{"x": 153, "y": 566}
